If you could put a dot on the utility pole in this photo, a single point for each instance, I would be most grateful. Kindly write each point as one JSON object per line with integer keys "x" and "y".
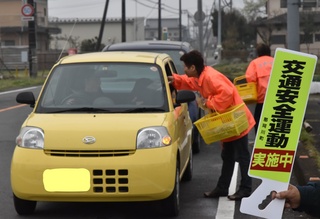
{"x": 293, "y": 34}
{"x": 32, "y": 51}
{"x": 219, "y": 46}
{"x": 159, "y": 21}
{"x": 123, "y": 21}
{"x": 200, "y": 23}
{"x": 102, "y": 26}
{"x": 180, "y": 25}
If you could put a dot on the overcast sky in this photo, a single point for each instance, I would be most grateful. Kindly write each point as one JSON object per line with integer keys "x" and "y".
{"x": 134, "y": 8}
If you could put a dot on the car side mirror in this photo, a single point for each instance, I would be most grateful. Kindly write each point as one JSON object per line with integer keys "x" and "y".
{"x": 26, "y": 98}
{"x": 184, "y": 96}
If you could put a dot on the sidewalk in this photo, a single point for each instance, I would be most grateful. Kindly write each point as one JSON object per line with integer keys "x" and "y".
{"x": 305, "y": 167}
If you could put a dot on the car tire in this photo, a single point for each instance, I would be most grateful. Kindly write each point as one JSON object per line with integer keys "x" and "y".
{"x": 187, "y": 176}
{"x": 171, "y": 205}
{"x": 24, "y": 207}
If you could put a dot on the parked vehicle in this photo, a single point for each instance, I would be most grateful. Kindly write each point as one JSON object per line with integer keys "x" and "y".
{"x": 121, "y": 142}
{"x": 175, "y": 49}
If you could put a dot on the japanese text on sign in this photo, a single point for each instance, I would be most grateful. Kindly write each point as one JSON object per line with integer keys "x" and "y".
{"x": 281, "y": 119}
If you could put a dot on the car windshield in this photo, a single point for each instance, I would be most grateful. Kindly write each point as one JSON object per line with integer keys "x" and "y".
{"x": 101, "y": 87}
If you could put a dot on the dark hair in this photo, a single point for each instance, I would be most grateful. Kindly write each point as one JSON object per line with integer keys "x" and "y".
{"x": 263, "y": 50}
{"x": 195, "y": 58}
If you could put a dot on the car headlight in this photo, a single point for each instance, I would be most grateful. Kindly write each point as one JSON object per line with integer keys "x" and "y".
{"x": 30, "y": 137}
{"x": 153, "y": 137}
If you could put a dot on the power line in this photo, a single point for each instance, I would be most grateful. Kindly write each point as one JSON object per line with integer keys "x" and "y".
{"x": 162, "y": 6}
{"x": 152, "y": 7}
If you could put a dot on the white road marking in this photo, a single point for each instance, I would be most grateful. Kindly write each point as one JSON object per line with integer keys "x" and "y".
{"x": 225, "y": 206}
{"x": 19, "y": 90}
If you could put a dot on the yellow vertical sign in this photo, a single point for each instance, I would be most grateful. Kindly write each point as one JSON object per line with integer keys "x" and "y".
{"x": 279, "y": 130}
{"x": 282, "y": 115}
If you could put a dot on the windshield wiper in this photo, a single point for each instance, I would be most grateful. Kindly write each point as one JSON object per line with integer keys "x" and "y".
{"x": 143, "y": 109}
{"x": 82, "y": 109}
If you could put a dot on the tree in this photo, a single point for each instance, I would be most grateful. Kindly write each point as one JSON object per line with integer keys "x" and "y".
{"x": 236, "y": 33}
{"x": 264, "y": 29}
{"x": 73, "y": 41}
{"x": 254, "y": 9}
{"x": 89, "y": 45}
{"x": 255, "y": 12}
{"x": 308, "y": 27}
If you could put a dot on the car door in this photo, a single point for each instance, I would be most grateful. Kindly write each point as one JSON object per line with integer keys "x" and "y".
{"x": 182, "y": 121}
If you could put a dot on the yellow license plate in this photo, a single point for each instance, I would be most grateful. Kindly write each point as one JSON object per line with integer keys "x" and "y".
{"x": 66, "y": 180}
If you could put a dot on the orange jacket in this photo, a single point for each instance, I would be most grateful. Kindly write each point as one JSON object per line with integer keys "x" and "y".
{"x": 217, "y": 89}
{"x": 259, "y": 71}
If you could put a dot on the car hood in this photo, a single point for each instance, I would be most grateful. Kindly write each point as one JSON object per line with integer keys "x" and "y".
{"x": 111, "y": 131}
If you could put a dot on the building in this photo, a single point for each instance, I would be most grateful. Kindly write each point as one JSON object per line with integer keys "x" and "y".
{"x": 273, "y": 29}
{"x": 170, "y": 29}
{"x": 56, "y": 36}
{"x": 74, "y": 31}
{"x": 15, "y": 30}
{"x": 14, "y": 26}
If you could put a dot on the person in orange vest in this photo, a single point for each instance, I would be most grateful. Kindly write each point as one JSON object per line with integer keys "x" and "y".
{"x": 259, "y": 71}
{"x": 218, "y": 93}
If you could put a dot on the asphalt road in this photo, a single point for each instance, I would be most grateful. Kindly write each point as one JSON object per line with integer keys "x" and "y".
{"x": 193, "y": 205}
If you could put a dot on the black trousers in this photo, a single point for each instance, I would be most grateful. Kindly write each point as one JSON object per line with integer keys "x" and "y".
{"x": 235, "y": 151}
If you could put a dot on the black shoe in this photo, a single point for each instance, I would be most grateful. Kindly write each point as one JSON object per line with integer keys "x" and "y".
{"x": 239, "y": 195}
{"x": 216, "y": 193}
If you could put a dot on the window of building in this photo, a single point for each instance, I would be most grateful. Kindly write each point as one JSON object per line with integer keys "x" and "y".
{"x": 317, "y": 37}
{"x": 278, "y": 39}
{"x": 9, "y": 43}
{"x": 308, "y": 4}
{"x": 151, "y": 33}
{"x": 304, "y": 39}
{"x": 283, "y": 3}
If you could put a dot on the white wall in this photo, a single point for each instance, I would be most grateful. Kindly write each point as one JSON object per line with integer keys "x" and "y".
{"x": 90, "y": 28}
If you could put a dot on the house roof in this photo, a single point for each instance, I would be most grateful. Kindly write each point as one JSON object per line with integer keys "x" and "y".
{"x": 282, "y": 19}
{"x": 87, "y": 20}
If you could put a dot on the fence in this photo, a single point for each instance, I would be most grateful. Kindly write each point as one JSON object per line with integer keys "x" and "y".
{"x": 13, "y": 58}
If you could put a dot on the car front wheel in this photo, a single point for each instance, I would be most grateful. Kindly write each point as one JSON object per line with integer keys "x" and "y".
{"x": 171, "y": 205}
{"x": 24, "y": 207}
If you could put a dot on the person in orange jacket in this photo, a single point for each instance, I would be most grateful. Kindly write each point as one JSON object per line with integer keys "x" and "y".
{"x": 218, "y": 94}
{"x": 259, "y": 71}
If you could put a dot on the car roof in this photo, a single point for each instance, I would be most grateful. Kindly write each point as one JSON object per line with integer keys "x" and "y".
{"x": 149, "y": 45}
{"x": 115, "y": 56}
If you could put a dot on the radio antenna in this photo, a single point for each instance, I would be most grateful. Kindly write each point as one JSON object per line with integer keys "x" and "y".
{"x": 74, "y": 24}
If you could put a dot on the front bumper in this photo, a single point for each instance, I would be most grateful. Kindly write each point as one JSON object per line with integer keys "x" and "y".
{"x": 144, "y": 175}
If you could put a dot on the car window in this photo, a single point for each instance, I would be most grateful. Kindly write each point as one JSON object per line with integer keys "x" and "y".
{"x": 169, "y": 66}
{"x": 173, "y": 67}
{"x": 175, "y": 55}
{"x": 115, "y": 86}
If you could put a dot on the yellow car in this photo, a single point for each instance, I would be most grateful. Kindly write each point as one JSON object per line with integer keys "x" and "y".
{"x": 106, "y": 127}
